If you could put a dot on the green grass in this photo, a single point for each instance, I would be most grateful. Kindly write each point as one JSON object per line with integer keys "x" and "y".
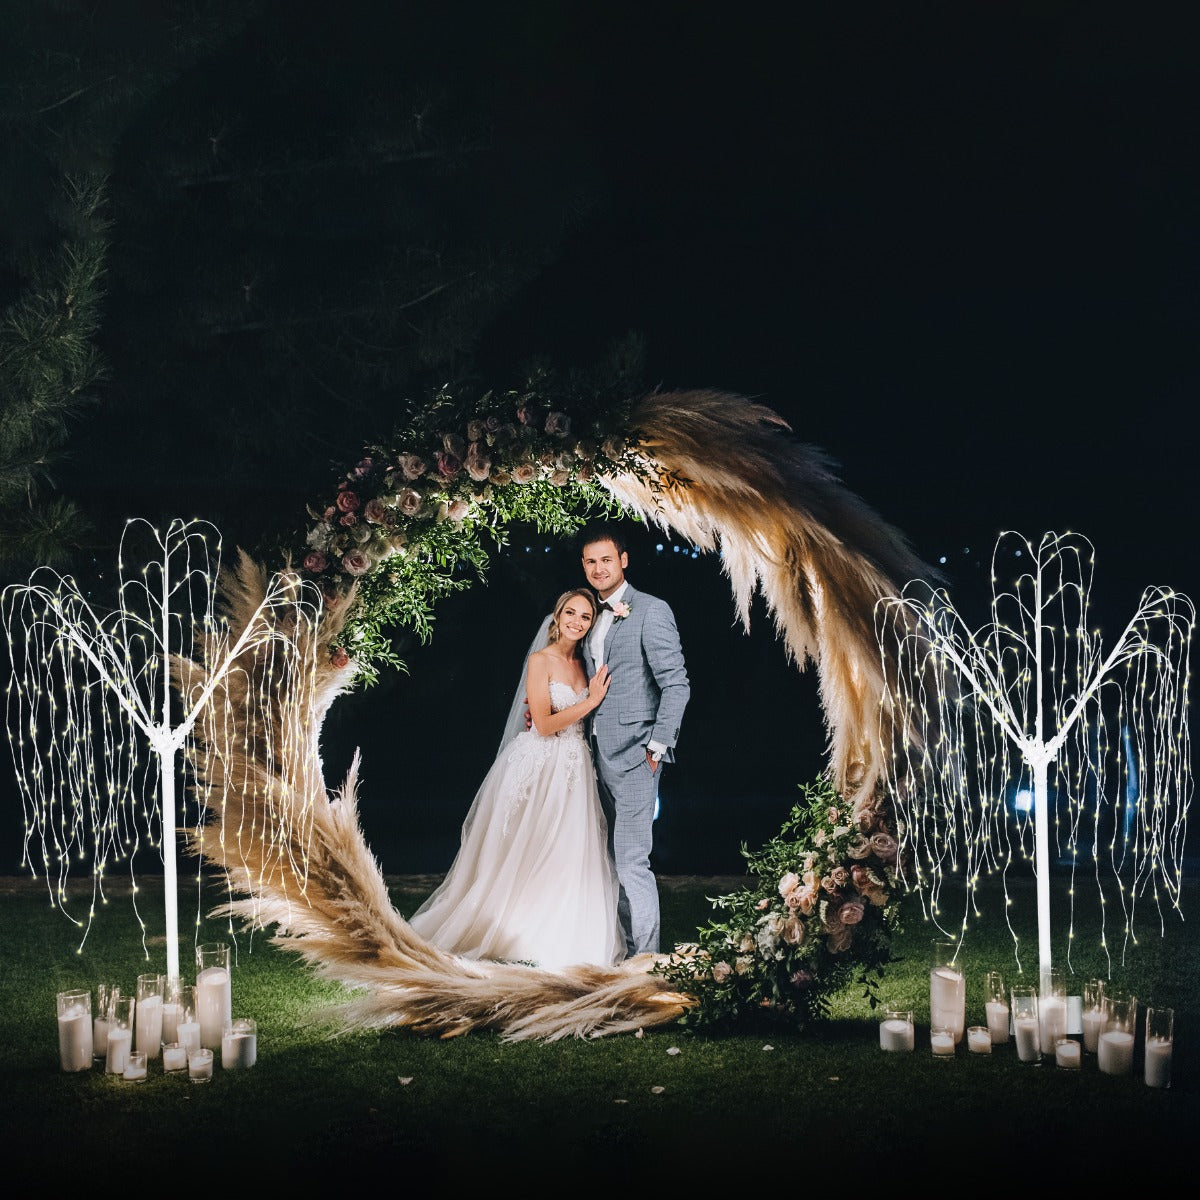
{"x": 824, "y": 1108}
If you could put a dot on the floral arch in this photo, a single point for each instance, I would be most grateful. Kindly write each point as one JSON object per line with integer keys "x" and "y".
{"x": 409, "y": 523}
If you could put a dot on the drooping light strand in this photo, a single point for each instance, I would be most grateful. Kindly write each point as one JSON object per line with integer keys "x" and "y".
{"x": 1029, "y": 737}
{"x": 106, "y": 710}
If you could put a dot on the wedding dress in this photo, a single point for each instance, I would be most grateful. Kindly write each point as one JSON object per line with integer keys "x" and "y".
{"x": 533, "y": 880}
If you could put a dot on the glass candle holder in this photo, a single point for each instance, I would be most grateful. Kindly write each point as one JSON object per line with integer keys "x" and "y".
{"x": 135, "y": 1067}
{"x": 214, "y": 999}
{"x": 187, "y": 1027}
{"x": 1068, "y": 1054}
{"x": 1114, "y": 1048}
{"x": 120, "y": 1035}
{"x": 148, "y": 1016}
{"x": 995, "y": 1005}
{"x": 979, "y": 1038}
{"x": 1093, "y": 1013}
{"x": 239, "y": 1044}
{"x": 170, "y": 1015}
{"x": 1026, "y": 1029}
{"x": 200, "y": 1065}
{"x": 1160, "y": 1040}
{"x": 896, "y": 1032}
{"x": 106, "y": 993}
{"x": 941, "y": 1041}
{"x": 1052, "y": 1008}
{"x": 174, "y": 1057}
{"x": 75, "y": 1030}
{"x": 947, "y": 990}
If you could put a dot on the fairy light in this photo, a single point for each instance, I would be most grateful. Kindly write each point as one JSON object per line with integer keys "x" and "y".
{"x": 1033, "y": 701}
{"x": 90, "y": 692}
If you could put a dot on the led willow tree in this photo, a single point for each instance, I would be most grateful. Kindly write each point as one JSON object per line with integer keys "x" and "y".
{"x": 90, "y": 692}
{"x": 1032, "y": 705}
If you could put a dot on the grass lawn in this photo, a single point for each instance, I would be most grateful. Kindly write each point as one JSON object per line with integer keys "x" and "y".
{"x": 825, "y": 1108}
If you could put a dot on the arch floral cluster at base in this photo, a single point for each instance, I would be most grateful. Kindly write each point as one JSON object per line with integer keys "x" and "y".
{"x": 825, "y": 906}
{"x": 407, "y": 524}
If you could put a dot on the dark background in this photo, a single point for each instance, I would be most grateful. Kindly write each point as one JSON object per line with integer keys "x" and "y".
{"x": 955, "y": 245}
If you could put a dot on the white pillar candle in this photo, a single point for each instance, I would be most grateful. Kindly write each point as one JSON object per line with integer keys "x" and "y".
{"x": 200, "y": 1065}
{"x": 214, "y": 1005}
{"x": 941, "y": 1042}
{"x": 170, "y": 1021}
{"x": 948, "y": 1000}
{"x": 75, "y": 1039}
{"x": 135, "y": 1067}
{"x": 188, "y": 1033}
{"x": 239, "y": 1046}
{"x": 1025, "y": 1029}
{"x": 1158, "y": 1062}
{"x": 1114, "y": 1052}
{"x": 1067, "y": 1053}
{"x": 896, "y": 1034}
{"x": 120, "y": 1039}
{"x": 148, "y": 1026}
{"x": 1052, "y": 1013}
{"x": 1093, "y": 1025}
{"x": 175, "y": 1056}
{"x": 979, "y": 1040}
{"x": 997, "y": 1021}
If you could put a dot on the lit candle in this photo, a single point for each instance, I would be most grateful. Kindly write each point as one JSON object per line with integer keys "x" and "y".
{"x": 188, "y": 1033}
{"x": 1093, "y": 1025}
{"x": 997, "y": 1021}
{"x": 99, "y": 1037}
{"x": 175, "y": 1056}
{"x": 200, "y": 1065}
{"x": 896, "y": 1033}
{"x": 1026, "y": 1031}
{"x": 214, "y": 1005}
{"x": 148, "y": 1026}
{"x": 941, "y": 1042}
{"x": 135, "y": 1066}
{"x": 979, "y": 1039}
{"x": 170, "y": 1021}
{"x": 75, "y": 1038}
{"x": 1158, "y": 1062}
{"x": 1114, "y": 1052}
{"x": 120, "y": 1039}
{"x": 1068, "y": 1053}
{"x": 239, "y": 1045}
{"x": 947, "y": 1000}
{"x": 1052, "y": 1012}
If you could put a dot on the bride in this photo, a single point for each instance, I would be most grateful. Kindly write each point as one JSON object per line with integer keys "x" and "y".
{"x": 533, "y": 880}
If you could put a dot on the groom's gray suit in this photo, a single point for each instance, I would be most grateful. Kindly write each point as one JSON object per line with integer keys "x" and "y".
{"x": 645, "y": 703}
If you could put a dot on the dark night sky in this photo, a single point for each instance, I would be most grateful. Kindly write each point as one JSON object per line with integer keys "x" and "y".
{"x": 956, "y": 245}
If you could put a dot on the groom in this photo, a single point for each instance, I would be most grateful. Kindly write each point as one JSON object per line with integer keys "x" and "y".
{"x": 635, "y": 729}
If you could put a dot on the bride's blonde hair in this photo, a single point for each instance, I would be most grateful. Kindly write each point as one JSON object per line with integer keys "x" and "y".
{"x": 554, "y": 634}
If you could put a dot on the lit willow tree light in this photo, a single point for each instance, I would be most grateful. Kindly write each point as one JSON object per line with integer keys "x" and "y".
{"x": 87, "y": 691}
{"x": 1032, "y": 704}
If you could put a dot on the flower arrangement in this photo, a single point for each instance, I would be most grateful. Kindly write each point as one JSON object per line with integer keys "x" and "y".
{"x": 407, "y": 523}
{"x": 825, "y": 905}
{"x": 620, "y": 610}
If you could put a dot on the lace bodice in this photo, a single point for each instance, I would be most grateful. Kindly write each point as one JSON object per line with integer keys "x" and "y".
{"x": 563, "y": 695}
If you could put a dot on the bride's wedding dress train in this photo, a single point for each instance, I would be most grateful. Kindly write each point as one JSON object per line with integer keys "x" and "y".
{"x": 532, "y": 881}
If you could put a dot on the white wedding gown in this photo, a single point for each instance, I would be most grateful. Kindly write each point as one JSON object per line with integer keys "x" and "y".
{"x": 532, "y": 881}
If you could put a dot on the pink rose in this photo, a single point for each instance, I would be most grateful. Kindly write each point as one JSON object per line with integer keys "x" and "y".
{"x": 762, "y": 904}
{"x": 808, "y": 900}
{"x": 376, "y": 511}
{"x": 448, "y": 464}
{"x": 479, "y": 466}
{"x": 560, "y": 478}
{"x": 348, "y": 501}
{"x": 499, "y": 476}
{"x": 315, "y": 561}
{"x": 331, "y": 512}
{"x": 859, "y": 847}
{"x": 559, "y": 423}
{"x": 793, "y": 931}
{"x": 348, "y": 519}
{"x": 524, "y": 472}
{"x": 852, "y": 912}
{"x": 788, "y": 882}
{"x": 355, "y": 562}
{"x": 339, "y": 658}
{"x": 721, "y": 971}
{"x": 458, "y": 510}
{"x": 884, "y": 846}
{"x": 793, "y": 899}
{"x": 827, "y": 885}
{"x": 411, "y": 466}
{"x": 840, "y": 876}
{"x": 410, "y": 502}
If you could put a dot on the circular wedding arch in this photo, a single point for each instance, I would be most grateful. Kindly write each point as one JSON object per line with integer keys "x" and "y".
{"x": 724, "y": 473}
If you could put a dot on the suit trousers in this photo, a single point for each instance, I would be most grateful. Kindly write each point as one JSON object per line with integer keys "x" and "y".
{"x": 629, "y": 801}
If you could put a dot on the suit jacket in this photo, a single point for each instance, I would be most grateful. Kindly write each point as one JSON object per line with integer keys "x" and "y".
{"x": 649, "y": 688}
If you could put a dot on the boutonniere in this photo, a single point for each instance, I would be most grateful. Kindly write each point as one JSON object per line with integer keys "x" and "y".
{"x": 619, "y": 609}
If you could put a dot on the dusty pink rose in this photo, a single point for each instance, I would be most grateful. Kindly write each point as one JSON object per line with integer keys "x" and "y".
{"x": 410, "y": 502}
{"x": 793, "y": 899}
{"x": 339, "y": 657}
{"x": 448, "y": 465}
{"x": 348, "y": 519}
{"x": 859, "y": 847}
{"x": 839, "y": 939}
{"x": 348, "y": 501}
{"x": 811, "y": 878}
{"x": 559, "y": 423}
{"x": 376, "y": 511}
{"x": 808, "y": 900}
{"x": 793, "y": 931}
{"x": 355, "y": 562}
{"x": 479, "y": 465}
{"x": 560, "y": 478}
{"x": 762, "y": 904}
{"x": 788, "y": 882}
{"x": 840, "y": 876}
{"x": 721, "y": 971}
{"x": 524, "y": 472}
{"x": 884, "y": 846}
{"x": 499, "y": 476}
{"x": 331, "y": 512}
{"x": 492, "y": 423}
{"x": 411, "y": 466}
{"x": 827, "y": 885}
{"x": 458, "y": 510}
{"x": 852, "y": 912}
{"x": 315, "y": 561}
